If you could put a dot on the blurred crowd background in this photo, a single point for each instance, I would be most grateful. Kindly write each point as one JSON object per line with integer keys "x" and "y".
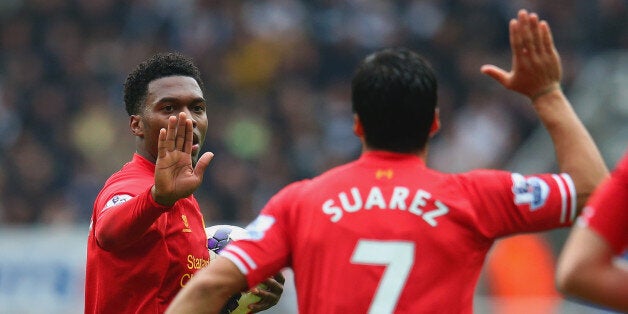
{"x": 277, "y": 76}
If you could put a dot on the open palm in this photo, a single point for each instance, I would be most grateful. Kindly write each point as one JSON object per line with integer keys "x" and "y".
{"x": 536, "y": 67}
{"x": 175, "y": 175}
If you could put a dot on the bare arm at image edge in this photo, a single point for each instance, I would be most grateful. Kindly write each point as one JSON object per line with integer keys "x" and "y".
{"x": 588, "y": 270}
{"x": 588, "y": 267}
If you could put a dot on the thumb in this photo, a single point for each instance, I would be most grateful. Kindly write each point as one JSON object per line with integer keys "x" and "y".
{"x": 496, "y": 73}
{"x": 202, "y": 164}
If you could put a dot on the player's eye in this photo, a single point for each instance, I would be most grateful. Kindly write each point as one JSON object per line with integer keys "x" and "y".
{"x": 199, "y": 108}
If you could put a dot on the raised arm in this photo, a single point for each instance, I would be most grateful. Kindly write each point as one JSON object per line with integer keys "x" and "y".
{"x": 536, "y": 73}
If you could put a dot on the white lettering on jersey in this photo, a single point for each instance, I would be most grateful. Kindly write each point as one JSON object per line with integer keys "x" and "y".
{"x": 116, "y": 200}
{"x": 375, "y": 198}
{"x": 259, "y": 226}
{"x": 421, "y": 203}
{"x": 357, "y": 200}
{"x": 531, "y": 190}
{"x": 398, "y": 198}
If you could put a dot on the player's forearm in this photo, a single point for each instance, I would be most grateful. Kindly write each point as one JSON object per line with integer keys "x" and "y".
{"x": 209, "y": 289}
{"x": 575, "y": 149}
{"x": 599, "y": 281}
{"x": 204, "y": 294}
{"x": 122, "y": 225}
{"x": 196, "y": 298}
{"x": 606, "y": 287}
{"x": 586, "y": 269}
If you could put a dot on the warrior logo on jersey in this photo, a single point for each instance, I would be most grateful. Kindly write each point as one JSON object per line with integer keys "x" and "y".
{"x": 531, "y": 190}
{"x": 259, "y": 226}
{"x": 381, "y": 173}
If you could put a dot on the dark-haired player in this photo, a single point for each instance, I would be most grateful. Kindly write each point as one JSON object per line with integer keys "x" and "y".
{"x": 147, "y": 235}
{"x": 385, "y": 233}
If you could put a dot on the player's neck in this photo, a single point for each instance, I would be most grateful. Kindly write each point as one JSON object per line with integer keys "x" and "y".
{"x": 420, "y": 153}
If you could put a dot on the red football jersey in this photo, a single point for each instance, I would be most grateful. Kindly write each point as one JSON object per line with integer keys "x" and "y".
{"x": 387, "y": 234}
{"x": 607, "y": 210}
{"x": 145, "y": 276}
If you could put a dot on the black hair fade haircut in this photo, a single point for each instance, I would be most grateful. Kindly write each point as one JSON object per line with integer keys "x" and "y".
{"x": 394, "y": 93}
{"x": 156, "y": 67}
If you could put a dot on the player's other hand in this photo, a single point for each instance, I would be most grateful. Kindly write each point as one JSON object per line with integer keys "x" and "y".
{"x": 536, "y": 67}
{"x": 269, "y": 296}
{"x": 175, "y": 175}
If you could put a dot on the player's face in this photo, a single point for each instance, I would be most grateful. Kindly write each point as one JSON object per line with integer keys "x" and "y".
{"x": 168, "y": 96}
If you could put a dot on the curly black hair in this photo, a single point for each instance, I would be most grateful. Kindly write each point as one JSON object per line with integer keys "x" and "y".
{"x": 156, "y": 67}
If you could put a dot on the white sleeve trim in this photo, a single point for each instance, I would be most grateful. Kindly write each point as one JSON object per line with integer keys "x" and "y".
{"x": 572, "y": 193}
{"x": 563, "y": 198}
{"x": 236, "y": 261}
{"x": 241, "y": 256}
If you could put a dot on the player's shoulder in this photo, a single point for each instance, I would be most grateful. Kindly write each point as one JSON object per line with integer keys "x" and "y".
{"x": 129, "y": 180}
{"x": 480, "y": 176}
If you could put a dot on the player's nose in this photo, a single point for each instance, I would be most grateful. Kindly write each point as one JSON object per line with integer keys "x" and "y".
{"x": 189, "y": 114}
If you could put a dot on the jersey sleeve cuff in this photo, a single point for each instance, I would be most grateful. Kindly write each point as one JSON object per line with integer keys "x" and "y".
{"x": 154, "y": 203}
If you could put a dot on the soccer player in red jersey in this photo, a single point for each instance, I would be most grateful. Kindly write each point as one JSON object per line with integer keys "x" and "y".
{"x": 588, "y": 267}
{"x": 385, "y": 233}
{"x": 147, "y": 234}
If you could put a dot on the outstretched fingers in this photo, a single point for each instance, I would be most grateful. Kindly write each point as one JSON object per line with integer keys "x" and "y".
{"x": 546, "y": 38}
{"x": 516, "y": 39}
{"x": 202, "y": 164}
{"x": 189, "y": 136}
{"x": 535, "y": 62}
{"x": 181, "y": 136}
{"x": 537, "y": 43}
{"x": 167, "y": 137}
{"x": 527, "y": 27}
{"x": 500, "y": 75}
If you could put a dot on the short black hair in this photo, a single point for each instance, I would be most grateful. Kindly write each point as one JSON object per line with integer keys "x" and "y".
{"x": 394, "y": 93}
{"x": 158, "y": 66}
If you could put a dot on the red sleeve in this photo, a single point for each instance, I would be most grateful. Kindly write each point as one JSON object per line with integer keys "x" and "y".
{"x": 508, "y": 203}
{"x": 607, "y": 210}
{"x": 268, "y": 249}
{"x": 122, "y": 222}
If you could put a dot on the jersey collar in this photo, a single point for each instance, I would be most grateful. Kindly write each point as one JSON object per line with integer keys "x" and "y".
{"x": 143, "y": 162}
{"x": 386, "y": 156}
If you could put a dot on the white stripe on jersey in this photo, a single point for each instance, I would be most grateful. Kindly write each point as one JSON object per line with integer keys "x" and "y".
{"x": 563, "y": 197}
{"x": 236, "y": 261}
{"x": 574, "y": 197}
{"x": 241, "y": 256}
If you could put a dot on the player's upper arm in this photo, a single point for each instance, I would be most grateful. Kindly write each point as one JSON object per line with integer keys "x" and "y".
{"x": 506, "y": 203}
{"x": 268, "y": 248}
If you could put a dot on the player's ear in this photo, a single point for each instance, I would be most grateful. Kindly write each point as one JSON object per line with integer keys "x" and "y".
{"x": 136, "y": 125}
{"x": 435, "y": 124}
{"x": 357, "y": 126}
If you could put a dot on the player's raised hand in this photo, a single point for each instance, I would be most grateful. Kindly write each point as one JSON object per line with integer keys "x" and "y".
{"x": 536, "y": 68}
{"x": 175, "y": 175}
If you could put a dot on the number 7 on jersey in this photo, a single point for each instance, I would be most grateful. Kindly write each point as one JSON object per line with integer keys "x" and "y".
{"x": 398, "y": 257}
